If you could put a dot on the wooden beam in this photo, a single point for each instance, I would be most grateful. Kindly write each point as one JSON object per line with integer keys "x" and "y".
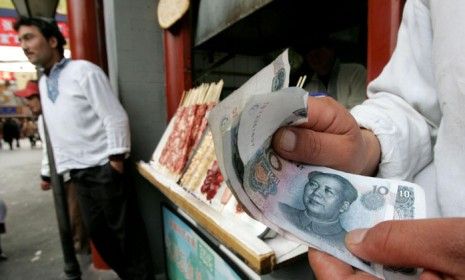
{"x": 87, "y": 31}
{"x": 384, "y": 18}
{"x": 178, "y": 72}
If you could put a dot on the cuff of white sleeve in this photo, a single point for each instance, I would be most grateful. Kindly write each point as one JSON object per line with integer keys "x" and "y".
{"x": 119, "y": 151}
{"x": 391, "y": 165}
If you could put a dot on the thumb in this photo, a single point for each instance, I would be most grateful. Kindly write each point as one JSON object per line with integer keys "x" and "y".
{"x": 331, "y": 138}
{"x": 312, "y": 147}
{"x": 434, "y": 244}
{"x": 308, "y": 146}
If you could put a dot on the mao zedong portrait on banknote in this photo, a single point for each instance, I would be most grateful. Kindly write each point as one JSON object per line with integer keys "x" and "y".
{"x": 325, "y": 197}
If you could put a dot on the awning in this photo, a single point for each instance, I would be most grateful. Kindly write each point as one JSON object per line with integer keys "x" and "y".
{"x": 215, "y": 16}
{"x": 260, "y": 26}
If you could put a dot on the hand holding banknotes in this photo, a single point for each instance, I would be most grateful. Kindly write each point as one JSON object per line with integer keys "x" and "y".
{"x": 330, "y": 138}
{"x": 323, "y": 203}
{"x": 437, "y": 245}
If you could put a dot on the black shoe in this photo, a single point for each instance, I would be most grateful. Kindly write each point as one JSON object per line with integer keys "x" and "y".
{"x": 3, "y": 257}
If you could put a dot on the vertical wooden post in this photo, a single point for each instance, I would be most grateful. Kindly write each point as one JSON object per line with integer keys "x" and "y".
{"x": 383, "y": 23}
{"x": 87, "y": 31}
{"x": 178, "y": 73}
{"x": 87, "y": 41}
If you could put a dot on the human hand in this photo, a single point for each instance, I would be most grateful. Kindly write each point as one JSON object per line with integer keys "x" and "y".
{"x": 325, "y": 266}
{"x": 330, "y": 138}
{"x": 117, "y": 165}
{"x": 437, "y": 245}
{"x": 45, "y": 185}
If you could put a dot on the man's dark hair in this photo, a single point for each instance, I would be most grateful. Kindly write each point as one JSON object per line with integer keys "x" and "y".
{"x": 350, "y": 193}
{"x": 48, "y": 28}
{"x": 313, "y": 42}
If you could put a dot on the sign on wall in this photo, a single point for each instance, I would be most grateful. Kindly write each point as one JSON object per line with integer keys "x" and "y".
{"x": 188, "y": 256}
{"x": 8, "y": 17}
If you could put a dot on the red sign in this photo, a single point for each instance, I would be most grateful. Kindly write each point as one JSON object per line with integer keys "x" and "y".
{"x": 7, "y": 33}
{"x": 8, "y": 36}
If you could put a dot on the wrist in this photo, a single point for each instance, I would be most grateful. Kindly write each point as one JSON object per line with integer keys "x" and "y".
{"x": 373, "y": 152}
{"x": 118, "y": 157}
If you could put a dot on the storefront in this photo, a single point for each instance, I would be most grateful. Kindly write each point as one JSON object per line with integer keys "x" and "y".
{"x": 214, "y": 40}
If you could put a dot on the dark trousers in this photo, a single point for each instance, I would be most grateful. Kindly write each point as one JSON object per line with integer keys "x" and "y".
{"x": 80, "y": 237}
{"x": 113, "y": 222}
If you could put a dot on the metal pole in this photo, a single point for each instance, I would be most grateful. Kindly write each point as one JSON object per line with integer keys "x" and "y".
{"x": 72, "y": 270}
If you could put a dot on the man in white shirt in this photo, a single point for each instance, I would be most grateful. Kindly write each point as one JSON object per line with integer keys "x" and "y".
{"x": 89, "y": 133}
{"x": 32, "y": 99}
{"x": 412, "y": 127}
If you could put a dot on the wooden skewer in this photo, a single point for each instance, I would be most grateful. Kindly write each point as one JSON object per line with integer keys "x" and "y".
{"x": 303, "y": 81}
{"x": 183, "y": 97}
{"x": 201, "y": 94}
{"x": 187, "y": 98}
{"x": 210, "y": 93}
{"x": 187, "y": 101}
{"x": 205, "y": 93}
{"x": 298, "y": 82}
{"x": 218, "y": 92}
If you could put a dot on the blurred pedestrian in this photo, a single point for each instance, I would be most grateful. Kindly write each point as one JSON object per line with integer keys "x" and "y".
{"x": 10, "y": 128}
{"x": 29, "y": 130}
{"x": 2, "y": 121}
{"x": 3, "y": 257}
{"x": 17, "y": 131}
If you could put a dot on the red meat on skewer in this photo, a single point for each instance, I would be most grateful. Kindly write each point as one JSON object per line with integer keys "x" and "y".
{"x": 212, "y": 182}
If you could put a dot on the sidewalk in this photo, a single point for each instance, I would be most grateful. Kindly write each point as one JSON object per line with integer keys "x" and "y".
{"x": 32, "y": 242}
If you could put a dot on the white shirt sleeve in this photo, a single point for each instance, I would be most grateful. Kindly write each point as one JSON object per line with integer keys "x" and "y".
{"x": 402, "y": 109}
{"x": 45, "y": 168}
{"x": 108, "y": 108}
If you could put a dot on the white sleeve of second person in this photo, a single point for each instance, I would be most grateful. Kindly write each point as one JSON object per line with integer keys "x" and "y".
{"x": 402, "y": 109}
{"x": 107, "y": 106}
{"x": 45, "y": 168}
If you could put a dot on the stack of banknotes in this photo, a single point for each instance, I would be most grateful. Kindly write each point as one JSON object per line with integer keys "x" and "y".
{"x": 313, "y": 205}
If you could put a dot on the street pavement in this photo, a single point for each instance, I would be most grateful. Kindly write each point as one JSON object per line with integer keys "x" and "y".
{"x": 32, "y": 242}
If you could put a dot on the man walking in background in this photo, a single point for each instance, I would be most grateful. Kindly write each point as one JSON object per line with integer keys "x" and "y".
{"x": 89, "y": 132}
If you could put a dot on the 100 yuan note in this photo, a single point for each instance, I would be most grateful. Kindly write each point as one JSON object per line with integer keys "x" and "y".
{"x": 315, "y": 205}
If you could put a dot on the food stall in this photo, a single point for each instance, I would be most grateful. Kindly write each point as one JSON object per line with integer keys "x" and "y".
{"x": 208, "y": 42}
{"x": 230, "y": 41}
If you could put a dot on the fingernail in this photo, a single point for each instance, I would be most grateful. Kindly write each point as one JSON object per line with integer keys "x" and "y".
{"x": 356, "y": 236}
{"x": 317, "y": 94}
{"x": 287, "y": 141}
